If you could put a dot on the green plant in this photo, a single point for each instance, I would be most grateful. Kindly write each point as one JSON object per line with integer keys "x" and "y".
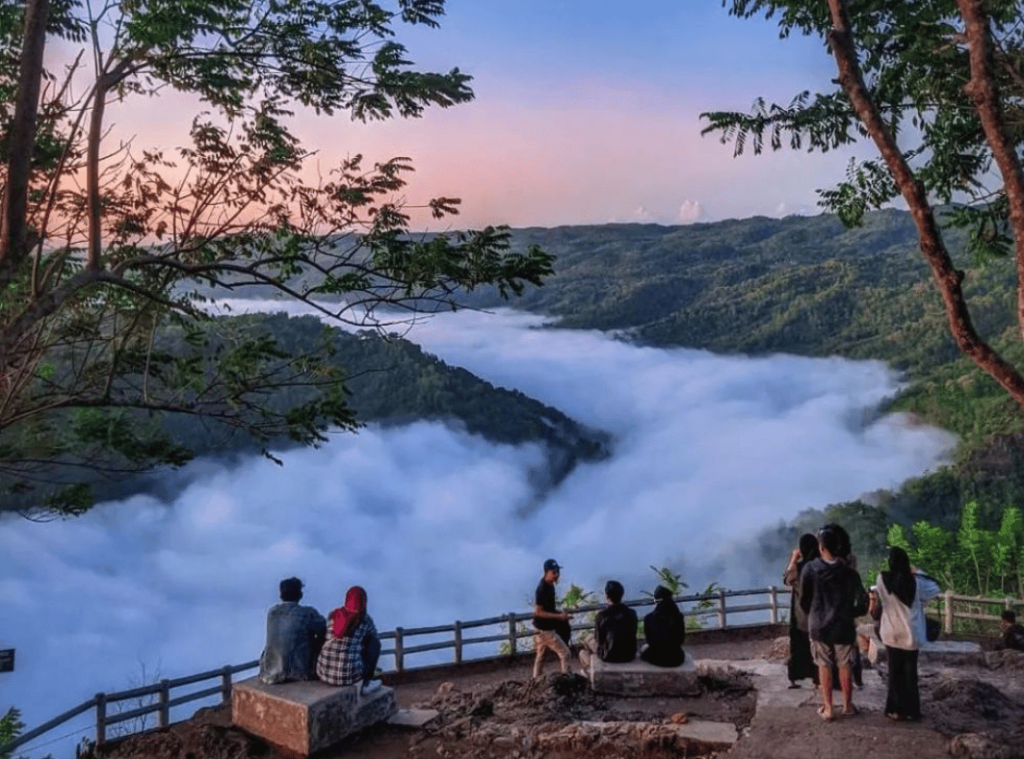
{"x": 10, "y": 728}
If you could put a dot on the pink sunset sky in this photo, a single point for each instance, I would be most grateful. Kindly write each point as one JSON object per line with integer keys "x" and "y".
{"x": 586, "y": 111}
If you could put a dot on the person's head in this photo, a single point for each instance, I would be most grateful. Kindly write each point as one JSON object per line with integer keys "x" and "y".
{"x": 899, "y": 561}
{"x": 552, "y": 571}
{"x": 843, "y": 545}
{"x": 291, "y": 589}
{"x": 828, "y": 542}
{"x": 662, "y": 593}
{"x": 1009, "y": 618}
{"x": 355, "y": 599}
{"x": 614, "y": 591}
{"x": 808, "y": 546}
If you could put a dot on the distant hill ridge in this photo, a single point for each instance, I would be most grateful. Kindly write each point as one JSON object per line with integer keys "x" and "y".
{"x": 804, "y": 285}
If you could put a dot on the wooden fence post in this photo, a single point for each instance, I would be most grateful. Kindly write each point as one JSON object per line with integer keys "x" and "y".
{"x": 164, "y": 716}
{"x": 399, "y": 654}
{"x": 773, "y": 594}
{"x": 512, "y": 634}
{"x": 457, "y": 628}
{"x": 947, "y": 622}
{"x": 225, "y": 685}
{"x": 101, "y": 719}
{"x": 721, "y": 609}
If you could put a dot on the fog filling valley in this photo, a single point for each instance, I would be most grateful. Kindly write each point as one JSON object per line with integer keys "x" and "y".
{"x": 433, "y": 522}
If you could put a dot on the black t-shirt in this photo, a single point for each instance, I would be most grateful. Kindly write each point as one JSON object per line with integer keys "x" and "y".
{"x": 545, "y": 599}
{"x": 616, "y": 633}
{"x": 1013, "y": 637}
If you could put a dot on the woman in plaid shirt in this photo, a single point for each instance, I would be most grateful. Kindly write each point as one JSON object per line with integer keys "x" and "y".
{"x": 353, "y": 647}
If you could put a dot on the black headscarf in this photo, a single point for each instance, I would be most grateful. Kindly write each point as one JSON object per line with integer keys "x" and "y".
{"x": 808, "y": 548}
{"x": 899, "y": 580}
{"x": 666, "y": 606}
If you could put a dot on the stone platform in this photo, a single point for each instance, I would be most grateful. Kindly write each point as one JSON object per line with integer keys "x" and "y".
{"x": 304, "y": 718}
{"x": 638, "y": 678}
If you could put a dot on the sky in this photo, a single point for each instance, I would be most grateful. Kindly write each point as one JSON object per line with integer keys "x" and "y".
{"x": 584, "y": 113}
{"x": 434, "y": 522}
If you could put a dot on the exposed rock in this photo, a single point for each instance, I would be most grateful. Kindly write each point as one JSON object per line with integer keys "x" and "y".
{"x": 1006, "y": 659}
{"x": 978, "y": 746}
{"x": 779, "y": 650}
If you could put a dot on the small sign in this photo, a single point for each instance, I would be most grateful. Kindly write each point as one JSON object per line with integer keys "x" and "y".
{"x": 6, "y": 659}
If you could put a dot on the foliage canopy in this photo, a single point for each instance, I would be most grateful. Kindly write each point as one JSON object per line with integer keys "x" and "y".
{"x": 937, "y": 86}
{"x": 104, "y": 242}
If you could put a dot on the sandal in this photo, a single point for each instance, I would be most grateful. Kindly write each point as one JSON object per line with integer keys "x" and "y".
{"x": 851, "y": 711}
{"x": 826, "y": 717}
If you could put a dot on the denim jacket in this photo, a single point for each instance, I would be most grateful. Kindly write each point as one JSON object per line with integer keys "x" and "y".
{"x": 294, "y": 637}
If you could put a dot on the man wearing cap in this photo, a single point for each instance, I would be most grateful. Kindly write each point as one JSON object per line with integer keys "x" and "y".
{"x": 552, "y": 626}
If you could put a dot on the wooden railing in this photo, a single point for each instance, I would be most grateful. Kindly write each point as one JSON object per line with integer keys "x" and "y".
{"x": 161, "y": 704}
{"x": 508, "y": 630}
{"x": 953, "y": 606}
{"x": 713, "y": 607}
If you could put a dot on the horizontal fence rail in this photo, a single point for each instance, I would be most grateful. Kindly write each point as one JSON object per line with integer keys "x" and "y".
{"x": 514, "y": 630}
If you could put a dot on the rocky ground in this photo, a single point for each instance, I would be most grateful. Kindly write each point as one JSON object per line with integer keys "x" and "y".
{"x": 974, "y": 707}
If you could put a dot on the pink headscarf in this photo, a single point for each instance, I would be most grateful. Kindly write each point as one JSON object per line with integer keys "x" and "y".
{"x": 345, "y": 618}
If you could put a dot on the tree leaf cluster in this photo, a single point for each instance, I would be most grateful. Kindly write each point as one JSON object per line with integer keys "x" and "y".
{"x": 110, "y": 251}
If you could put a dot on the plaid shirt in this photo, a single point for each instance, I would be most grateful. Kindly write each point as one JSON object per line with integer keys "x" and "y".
{"x": 341, "y": 659}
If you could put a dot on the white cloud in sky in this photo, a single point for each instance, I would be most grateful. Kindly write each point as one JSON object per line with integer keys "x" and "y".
{"x": 784, "y": 209}
{"x": 707, "y": 450}
{"x": 691, "y": 211}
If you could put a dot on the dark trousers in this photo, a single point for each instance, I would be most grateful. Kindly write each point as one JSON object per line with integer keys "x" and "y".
{"x": 904, "y": 697}
{"x": 371, "y": 655}
{"x": 800, "y": 665}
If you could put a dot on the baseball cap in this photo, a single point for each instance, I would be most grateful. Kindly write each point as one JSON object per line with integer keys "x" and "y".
{"x": 551, "y": 564}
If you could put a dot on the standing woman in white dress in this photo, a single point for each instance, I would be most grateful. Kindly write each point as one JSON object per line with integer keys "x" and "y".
{"x": 902, "y": 594}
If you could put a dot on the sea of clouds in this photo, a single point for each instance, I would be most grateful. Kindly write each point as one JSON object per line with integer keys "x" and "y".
{"x": 439, "y": 525}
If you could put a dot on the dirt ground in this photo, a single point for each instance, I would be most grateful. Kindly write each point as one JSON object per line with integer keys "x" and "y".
{"x": 972, "y": 709}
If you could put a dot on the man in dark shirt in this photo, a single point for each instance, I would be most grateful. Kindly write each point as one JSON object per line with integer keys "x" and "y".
{"x": 615, "y": 640}
{"x": 829, "y": 593}
{"x": 552, "y": 626}
{"x": 1013, "y": 634}
{"x": 294, "y": 636}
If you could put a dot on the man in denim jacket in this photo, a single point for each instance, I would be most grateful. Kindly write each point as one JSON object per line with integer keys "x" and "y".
{"x": 294, "y": 636}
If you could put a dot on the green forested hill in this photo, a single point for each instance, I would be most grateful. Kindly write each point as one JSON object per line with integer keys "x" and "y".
{"x": 802, "y": 285}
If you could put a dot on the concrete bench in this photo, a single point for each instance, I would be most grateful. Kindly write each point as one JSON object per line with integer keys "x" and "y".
{"x": 638, "y": 678}
{"x": 306, "y": 717}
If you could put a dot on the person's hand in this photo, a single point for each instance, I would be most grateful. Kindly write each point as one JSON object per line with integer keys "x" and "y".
{"x": 566, "y": 616}
{"x": 795, "y": 556}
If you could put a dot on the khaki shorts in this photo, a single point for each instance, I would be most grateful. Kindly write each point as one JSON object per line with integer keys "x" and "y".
{"x": 827, "y": 654}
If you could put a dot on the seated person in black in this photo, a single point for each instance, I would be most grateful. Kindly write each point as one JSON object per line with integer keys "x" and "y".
{"x": 1013, "y": 633}
{"x": 665, "y": 631}
{"x": 615, "y": 640}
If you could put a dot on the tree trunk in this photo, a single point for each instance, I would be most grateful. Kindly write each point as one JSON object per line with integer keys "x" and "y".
{"x": 13, "y": 232}
{"x": 947, "y": 277}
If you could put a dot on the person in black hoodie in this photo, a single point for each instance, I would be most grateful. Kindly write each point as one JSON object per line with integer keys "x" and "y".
{"x": 832, "y": 594}
{"x": 665, "y": 631}
{"x": 616, "y": 630}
